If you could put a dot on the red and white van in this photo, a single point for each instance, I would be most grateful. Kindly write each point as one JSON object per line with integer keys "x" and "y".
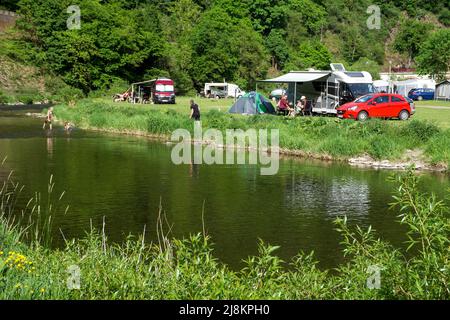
{"x": 163, "y": 91}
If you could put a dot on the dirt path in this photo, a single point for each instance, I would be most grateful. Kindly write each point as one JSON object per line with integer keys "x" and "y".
{"x": 433, "y": 107}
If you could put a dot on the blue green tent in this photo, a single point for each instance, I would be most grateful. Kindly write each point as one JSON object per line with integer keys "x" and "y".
{"x": 252, "y": 103}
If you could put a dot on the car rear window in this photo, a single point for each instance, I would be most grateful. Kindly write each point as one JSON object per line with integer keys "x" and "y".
{"x": 397, "y": 99}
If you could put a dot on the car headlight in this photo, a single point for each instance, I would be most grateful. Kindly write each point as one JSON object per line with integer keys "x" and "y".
{"x": 353, "y": 108}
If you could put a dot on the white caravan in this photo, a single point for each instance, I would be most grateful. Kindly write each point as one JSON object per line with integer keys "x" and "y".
{"x": 222, "y": 90}
{"x": 326, "y": 89}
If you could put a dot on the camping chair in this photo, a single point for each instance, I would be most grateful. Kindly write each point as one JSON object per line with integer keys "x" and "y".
{"x": 282, "y": 112}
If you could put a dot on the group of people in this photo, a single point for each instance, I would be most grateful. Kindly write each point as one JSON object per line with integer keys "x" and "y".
{"x": 303, "y": 107}
{"x": 49, "y": 121}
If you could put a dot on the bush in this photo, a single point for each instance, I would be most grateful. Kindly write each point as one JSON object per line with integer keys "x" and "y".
{"x": 4, "y": 98}
{"x": 420, "y": 131}
{"x": 69, "y": 95}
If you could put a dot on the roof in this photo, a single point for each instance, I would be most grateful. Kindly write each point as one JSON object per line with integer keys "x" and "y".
{"x": 443, "y": 82}
{"x": 153, "y": 80}
{"x": 381, "y": 83}
{"x": 144, "y": 82}
{"x": 299, "y": 76}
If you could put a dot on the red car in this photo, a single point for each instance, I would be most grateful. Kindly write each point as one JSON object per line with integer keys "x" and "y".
{"x": 378, "y": 105}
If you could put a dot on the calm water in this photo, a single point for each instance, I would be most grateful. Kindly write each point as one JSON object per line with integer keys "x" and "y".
{"x": 124, "y": 179}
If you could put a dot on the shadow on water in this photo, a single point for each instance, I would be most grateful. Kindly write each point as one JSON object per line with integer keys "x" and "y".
{"x": 125, "y": 178}
{"x": 23, "y": 107}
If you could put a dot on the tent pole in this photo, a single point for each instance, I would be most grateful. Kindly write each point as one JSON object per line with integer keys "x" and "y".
{"x": 295, "y": 94}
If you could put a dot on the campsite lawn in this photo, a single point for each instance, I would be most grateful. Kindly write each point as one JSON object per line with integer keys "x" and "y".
{"x": 425, "y": 109}
{"x": 433, "y": 103}
{"x": 181, "y": 106}
{"x": 441, "y": 116}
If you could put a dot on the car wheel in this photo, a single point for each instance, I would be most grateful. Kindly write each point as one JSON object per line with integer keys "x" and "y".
{"x": 404, "y": 115}
{"x": 420, "y": 98}
{"x": 362, "y": 116}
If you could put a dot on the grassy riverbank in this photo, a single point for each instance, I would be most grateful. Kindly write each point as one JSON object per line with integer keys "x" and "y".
{"x": 319, "y": 137}
{"x": 187, "y": 269}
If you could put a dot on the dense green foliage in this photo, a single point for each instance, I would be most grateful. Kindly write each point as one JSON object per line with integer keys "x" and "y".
{"x": 187, "y": 269}
{"x": 434, "y": 57}
{"x": 194, "y": 41}
{"x": 313, "y": 136}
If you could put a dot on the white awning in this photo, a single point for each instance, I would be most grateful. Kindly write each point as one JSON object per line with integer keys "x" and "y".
{"x": 293, "y": 77}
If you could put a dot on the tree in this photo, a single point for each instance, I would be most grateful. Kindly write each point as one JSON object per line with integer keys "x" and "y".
{"x": 277, "y": 46}
{"x": 178, "y": 26}
{"x": 10, "y": 5}
{"x": 311, "y": 15}
{"x": 365, "y": 64}
{"x": 411, "y": 35}
{"x": 224, "y": 48}
{"x": 434, "y": 55}
{"x": 267, "y": 15}
{"x": 110, "y": 43}
{"x": 310, "y": 54}
{"x": 252, "y": 56}
{"x": 444, "y": 17}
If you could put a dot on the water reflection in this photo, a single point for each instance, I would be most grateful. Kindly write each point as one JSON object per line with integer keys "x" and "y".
{"x": 124, "y": 179}
{"x": 348, "y": 197}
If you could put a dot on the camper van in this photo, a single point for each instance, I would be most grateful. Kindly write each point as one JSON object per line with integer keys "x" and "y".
{"x": 163, "y": 91}
{"x": 326, "y": 89}
{"x": 222, "y": 90}
{"x": 159, "y": 90}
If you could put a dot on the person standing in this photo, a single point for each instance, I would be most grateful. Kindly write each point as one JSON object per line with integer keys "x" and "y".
{"x": 195, "y": 111}
{"x": 48, "y": 120}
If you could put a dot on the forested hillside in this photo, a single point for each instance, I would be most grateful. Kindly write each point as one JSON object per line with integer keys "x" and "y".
{"x": 193, "y": 41}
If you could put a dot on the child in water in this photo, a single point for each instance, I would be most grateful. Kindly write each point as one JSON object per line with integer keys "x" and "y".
{"x": 68, "y": 126}
{"x": 48, "y": 120}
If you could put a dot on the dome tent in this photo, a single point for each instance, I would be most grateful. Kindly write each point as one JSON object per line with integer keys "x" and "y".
{"x": 252, "y": 103}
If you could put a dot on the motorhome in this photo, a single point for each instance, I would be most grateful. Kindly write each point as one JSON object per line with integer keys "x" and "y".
{"x": 222, "y": 90}
{"x": 156, "y": 91}
{"x": 326, "y": 89}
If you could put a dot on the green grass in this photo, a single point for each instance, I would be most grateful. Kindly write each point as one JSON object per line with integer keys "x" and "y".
{"x": 440, "y": 117}
{"x": 316, "y": 136}
{"x": 187, "y": 269}
{"x": 432, "y": 103}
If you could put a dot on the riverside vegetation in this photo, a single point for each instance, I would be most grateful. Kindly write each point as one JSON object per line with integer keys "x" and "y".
{"x": 315, "y": 137}
{"x": 187, "y": 269}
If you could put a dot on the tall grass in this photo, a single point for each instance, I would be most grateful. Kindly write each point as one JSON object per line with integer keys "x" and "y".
{"x": 187, "y": 269}
{"x": 315, "y": 136}
{"x": 33, "y": 221}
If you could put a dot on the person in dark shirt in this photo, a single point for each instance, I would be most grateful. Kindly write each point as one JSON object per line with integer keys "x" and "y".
{"x": 195, "y": 111}
{"x": 307, "y": 106}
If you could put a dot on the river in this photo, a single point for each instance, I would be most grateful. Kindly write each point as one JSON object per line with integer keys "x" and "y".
{"x": 123, "y": 180}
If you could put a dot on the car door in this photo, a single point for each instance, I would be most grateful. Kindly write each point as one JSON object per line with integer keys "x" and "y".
{"x": 397, "y": 104}
{"x": 381, "y": 108}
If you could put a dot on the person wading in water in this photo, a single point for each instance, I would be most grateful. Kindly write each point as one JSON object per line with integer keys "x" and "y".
{"x": 49, "y": 119}
{"x": 195, "y": 111}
